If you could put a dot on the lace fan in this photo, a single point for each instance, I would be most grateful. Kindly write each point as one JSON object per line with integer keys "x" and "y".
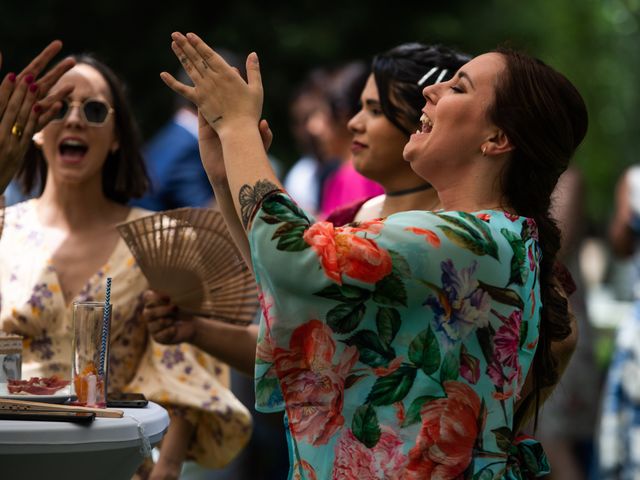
{"x": 189, "y": 254}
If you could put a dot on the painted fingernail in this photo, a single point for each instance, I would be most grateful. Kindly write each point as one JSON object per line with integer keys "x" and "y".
{"x": 28, "y": 79}
{"x": 33, "y": 87}
{"x": 37, "y": 108}
{"x": 12, "y": 77}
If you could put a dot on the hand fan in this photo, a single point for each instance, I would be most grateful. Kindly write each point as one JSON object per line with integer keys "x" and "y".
{"x": 188, "y": 254}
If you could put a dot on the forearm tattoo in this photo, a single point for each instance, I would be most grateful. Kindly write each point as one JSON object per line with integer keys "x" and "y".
{"x": 251, "y": 198}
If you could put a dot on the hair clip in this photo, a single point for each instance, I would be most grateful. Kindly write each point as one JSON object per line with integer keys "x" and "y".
{"x": 441, "y": 76}
{"x": 426, "y": 76}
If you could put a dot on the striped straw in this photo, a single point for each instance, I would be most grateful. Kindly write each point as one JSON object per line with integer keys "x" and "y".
{"x": 105, "y": 327}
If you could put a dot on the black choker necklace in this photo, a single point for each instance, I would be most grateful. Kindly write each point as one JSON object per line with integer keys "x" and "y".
{"x": 407, "y": 191}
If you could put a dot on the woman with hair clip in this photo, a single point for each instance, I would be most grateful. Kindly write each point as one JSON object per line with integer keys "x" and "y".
{"x": 401, "y": 346}
{"x": 88, "y": 165}
{"x": 389, "y": 114}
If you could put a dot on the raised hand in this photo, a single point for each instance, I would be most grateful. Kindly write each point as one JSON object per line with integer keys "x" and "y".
{"x": 164, "y": 321}
{"x": 211, "y": 149}
{"x": 222, "y": 96}
{"x": 25, "y": 108}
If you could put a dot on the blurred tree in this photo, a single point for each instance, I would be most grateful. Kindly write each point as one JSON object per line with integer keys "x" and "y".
{"x": 592, "y": 41}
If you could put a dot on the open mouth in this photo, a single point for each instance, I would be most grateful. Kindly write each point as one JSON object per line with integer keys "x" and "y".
{"x": 72, "y": 149}
{"x": 426, "y": 124}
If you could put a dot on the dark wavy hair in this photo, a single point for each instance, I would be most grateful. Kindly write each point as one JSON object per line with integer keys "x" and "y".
{"x": 397, "y": 72}
{"x": 124, "y": 175}
{"x": 545, "y": 118}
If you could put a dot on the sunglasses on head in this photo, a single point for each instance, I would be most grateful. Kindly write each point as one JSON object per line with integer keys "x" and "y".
{"x": 95, "y": 112}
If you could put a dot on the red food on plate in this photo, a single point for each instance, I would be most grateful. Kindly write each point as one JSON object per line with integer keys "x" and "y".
{"x": 37, "y": 385}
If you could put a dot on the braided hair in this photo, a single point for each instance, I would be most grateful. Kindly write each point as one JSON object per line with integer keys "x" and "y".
{"x": 545, "y": 119}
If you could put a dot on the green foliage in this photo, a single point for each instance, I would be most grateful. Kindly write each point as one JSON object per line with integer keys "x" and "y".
{"x": 593, "y": 42}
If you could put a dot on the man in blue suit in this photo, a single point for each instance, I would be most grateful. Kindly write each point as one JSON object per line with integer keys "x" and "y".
{"x": 173, "y": 162}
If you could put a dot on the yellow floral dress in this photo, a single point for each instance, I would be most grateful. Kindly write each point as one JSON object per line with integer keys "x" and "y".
{"x": 179, "y": 377}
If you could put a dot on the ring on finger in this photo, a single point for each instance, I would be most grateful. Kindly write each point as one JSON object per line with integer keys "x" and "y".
{"x": 17, "y": 130}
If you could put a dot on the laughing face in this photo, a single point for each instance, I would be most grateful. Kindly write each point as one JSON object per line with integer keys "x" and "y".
{"x": 454, "y": 122}
{"x": 377, "y": 143}
{"x": 76, "y": 150}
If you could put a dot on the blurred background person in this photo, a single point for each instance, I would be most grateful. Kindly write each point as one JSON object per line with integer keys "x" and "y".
{"x": 303, "y": 180}
{"x": 173, "y": 161}
{"x": 340, "y": 183}
{"x": 619, "y": 436}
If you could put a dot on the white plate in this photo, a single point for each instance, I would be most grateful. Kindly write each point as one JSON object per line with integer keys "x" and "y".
{"x": 60, "y": 396}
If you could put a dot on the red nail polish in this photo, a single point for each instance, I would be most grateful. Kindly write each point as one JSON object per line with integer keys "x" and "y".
{"x": 37, "y": 108}
{"x": 29, "y": 79}
{"x": 12, "y": 77}
{"x": 33, "y": 87}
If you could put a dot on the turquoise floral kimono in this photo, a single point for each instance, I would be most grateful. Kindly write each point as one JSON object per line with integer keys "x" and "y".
{"x": 398, "y": 347}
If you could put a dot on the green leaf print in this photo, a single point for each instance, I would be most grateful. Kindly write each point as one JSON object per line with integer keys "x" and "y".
{"x": 464, "y": 240}
{"x": 518, "y": 261}
{"x": 344, "y": 293}
{"x": 485, "y": 339}
{"x": 270, "y": 219}
{"x": 413, "y": 413}
{"x": 524, "y": 331}
{"x": 400, "y": 266}
{"x": 365, "y": 425}
{"x": 345, "y": 317}
{"x": 484, "y": 474}
{"x": 485, "y": 230}
{"x": 450, "y": 368}
{"x": 265, "y": 388}
{"x": 388, "y": 323}
{"x": 504, "y": 438}
{"x": 534, "y": 457}
{"x": 390, "y": 291}
{"x": 502, "y": 295}
{"x": 392, "y": 388}
{"x": 290, "y": 238}
{"x": 352, "y": 379}
{"x": 372, "y": 351}
{"x": 285, "y": 210}
{"x": 479, "y": 240}
{"x": 424, "y": 351}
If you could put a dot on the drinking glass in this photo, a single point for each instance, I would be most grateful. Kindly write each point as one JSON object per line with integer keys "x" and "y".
{"x": 90, "y": 350}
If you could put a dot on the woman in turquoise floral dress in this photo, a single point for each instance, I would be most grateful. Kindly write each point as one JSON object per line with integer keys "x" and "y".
{"x": 402, "y": 347}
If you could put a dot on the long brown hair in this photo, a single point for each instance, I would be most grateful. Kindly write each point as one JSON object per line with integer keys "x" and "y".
{"x": 545, "y": 119}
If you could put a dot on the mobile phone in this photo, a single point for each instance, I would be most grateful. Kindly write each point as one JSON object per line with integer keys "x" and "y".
{"x": 47, "y": 416}
{"x": 126, "y": 400}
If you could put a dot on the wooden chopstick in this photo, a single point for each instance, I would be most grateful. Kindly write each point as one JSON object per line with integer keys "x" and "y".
{"x": 10, "y": 404}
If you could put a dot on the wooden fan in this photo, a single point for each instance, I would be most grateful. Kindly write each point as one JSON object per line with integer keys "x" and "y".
{"x": 188, "y": 254}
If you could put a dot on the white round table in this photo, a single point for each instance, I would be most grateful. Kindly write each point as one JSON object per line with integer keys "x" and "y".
{"x": 106, "y": 449}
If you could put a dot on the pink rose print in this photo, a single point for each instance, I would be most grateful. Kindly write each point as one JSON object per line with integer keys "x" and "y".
{"x": 343, "y": 252}
{"x": 354, "y": 461}
{"x": 312, "y": 385}
{"x": 449, "y": 431}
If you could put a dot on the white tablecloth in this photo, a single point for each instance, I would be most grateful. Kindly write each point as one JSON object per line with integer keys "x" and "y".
{"x": 108, "y": 448}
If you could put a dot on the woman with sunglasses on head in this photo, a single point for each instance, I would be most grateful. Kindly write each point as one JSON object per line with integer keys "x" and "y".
{"x": 60, "y": 247}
